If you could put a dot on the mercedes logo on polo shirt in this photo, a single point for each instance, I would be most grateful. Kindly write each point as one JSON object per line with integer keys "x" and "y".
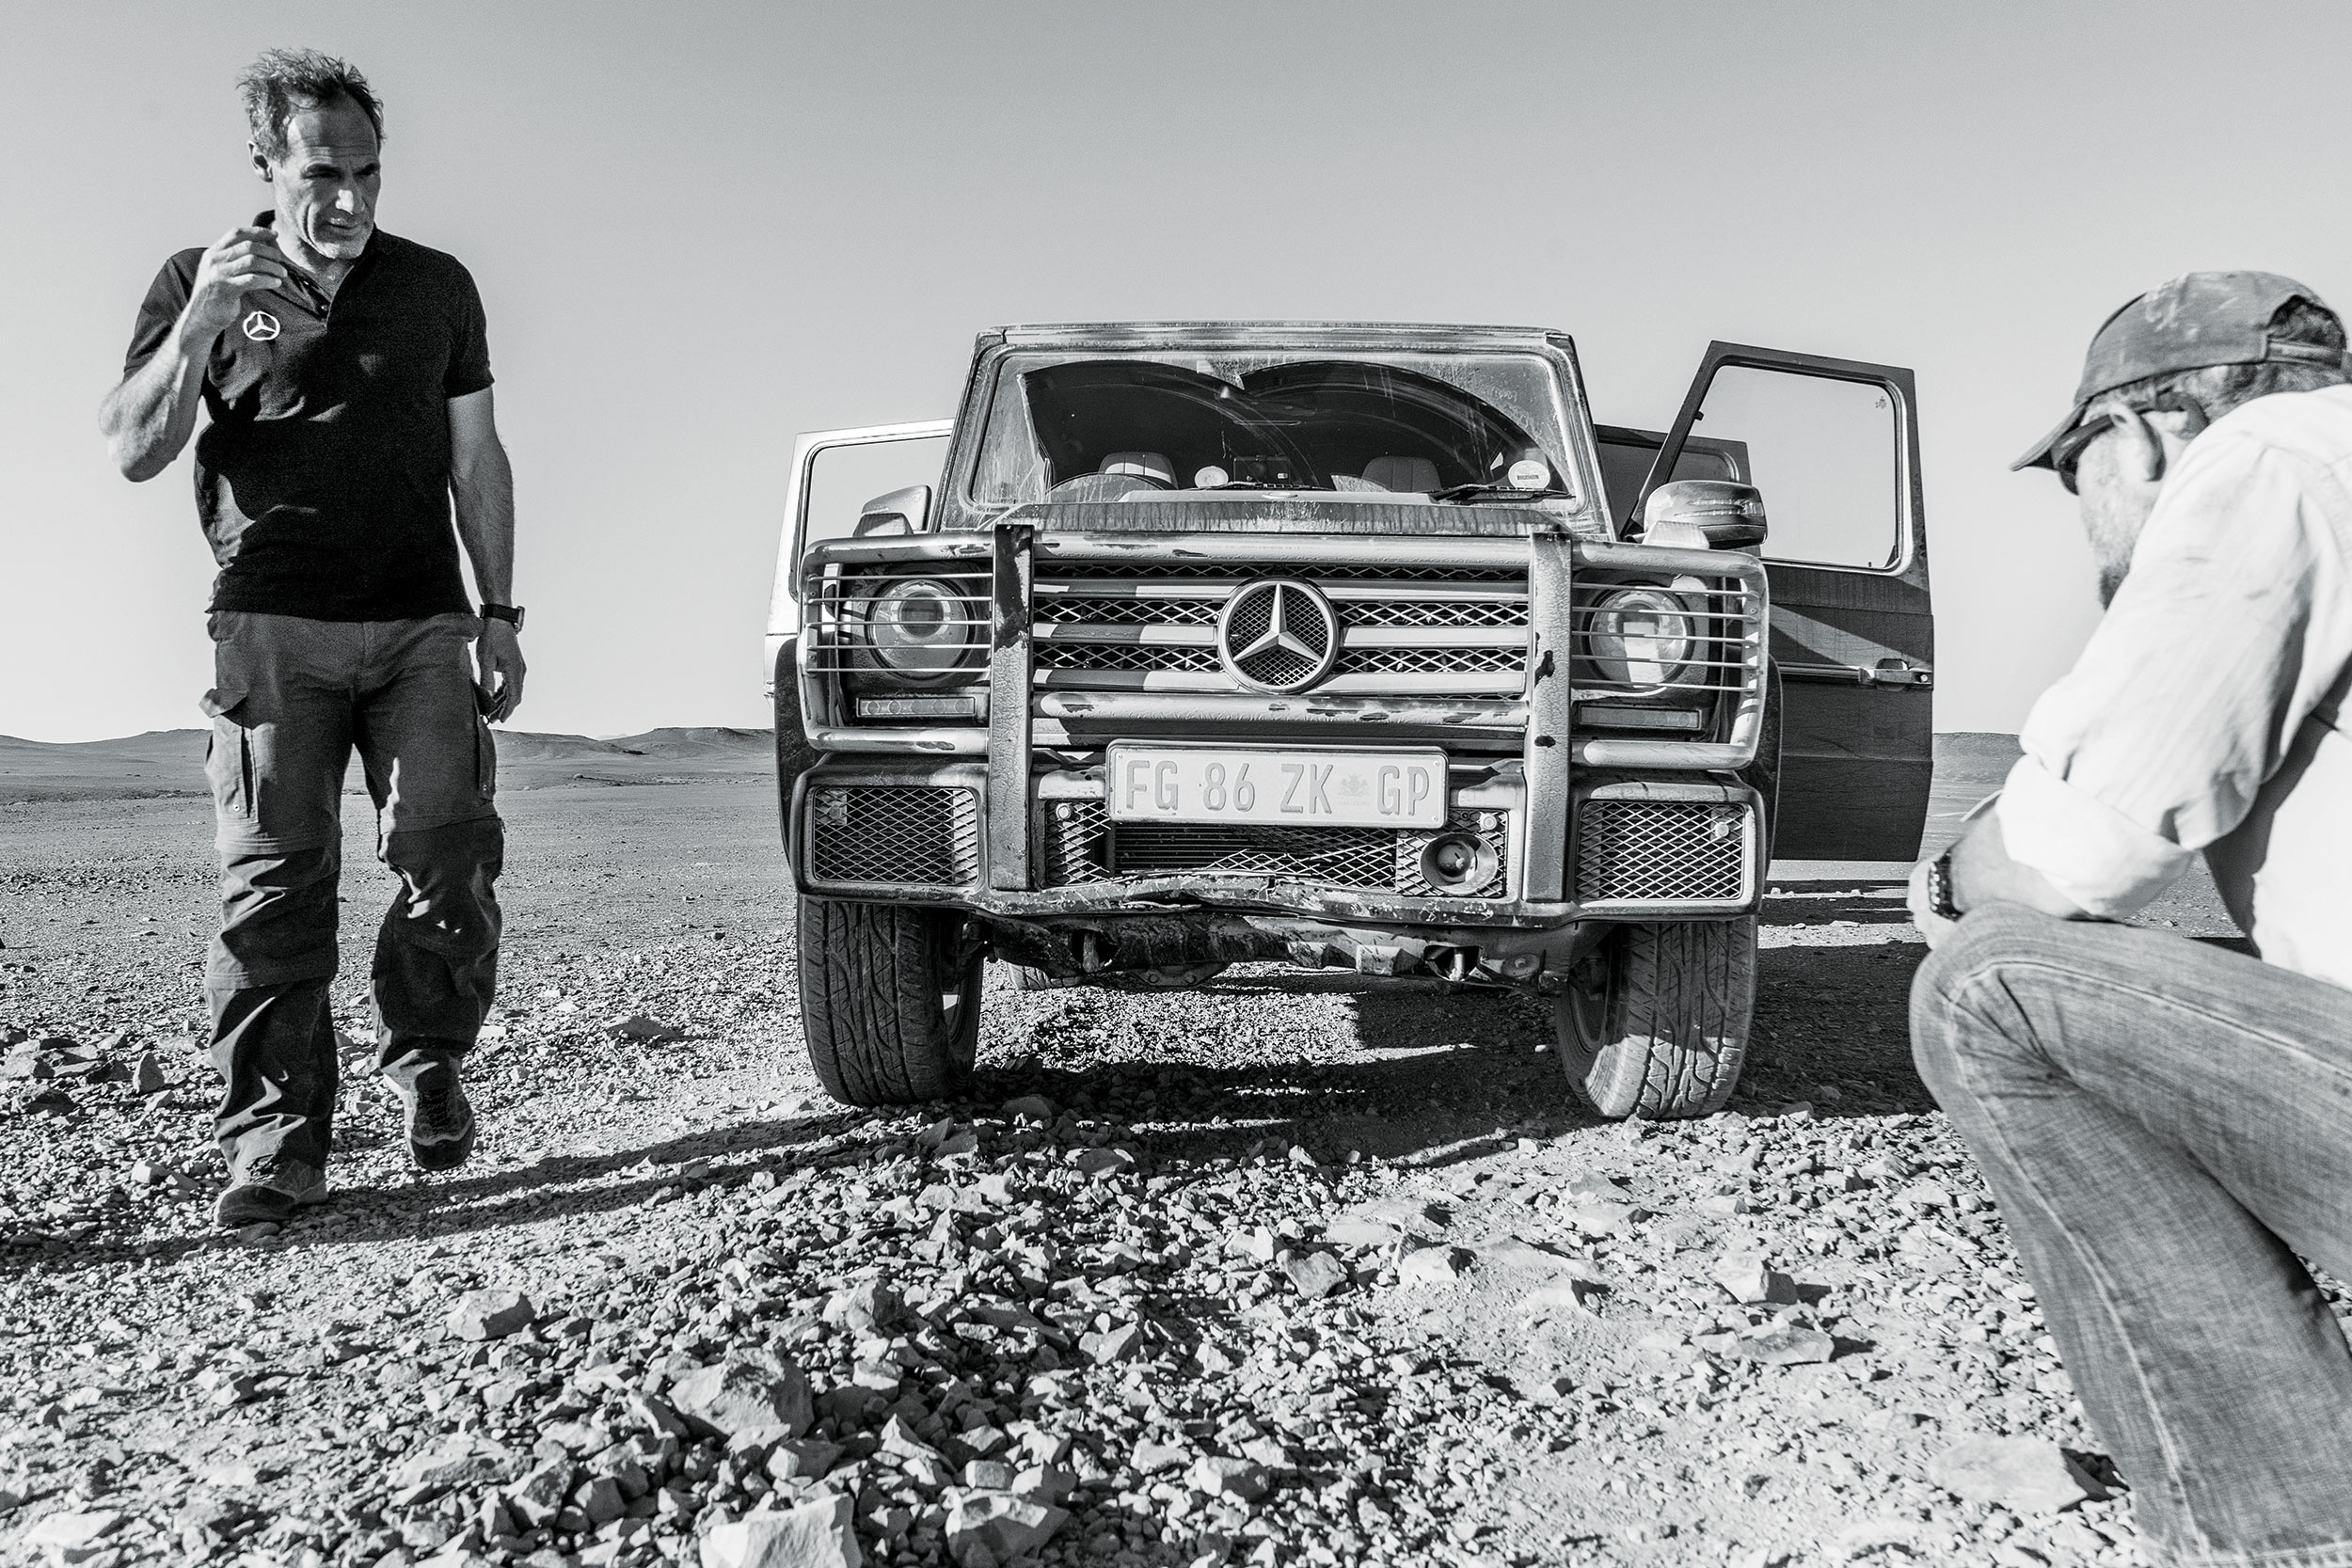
{"x": 1278, "y": 635}
{"x": 260, "y": 326}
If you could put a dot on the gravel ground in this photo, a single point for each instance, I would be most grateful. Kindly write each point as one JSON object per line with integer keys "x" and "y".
{"x": 1287, "y": 1269}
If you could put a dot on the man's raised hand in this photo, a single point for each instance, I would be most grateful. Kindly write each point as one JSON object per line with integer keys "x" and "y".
{"x": 241, "y": 261}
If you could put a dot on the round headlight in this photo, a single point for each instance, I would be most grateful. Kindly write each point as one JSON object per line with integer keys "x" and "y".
{"x": 920, "y": 628}
{"x": 1640, "y": 638}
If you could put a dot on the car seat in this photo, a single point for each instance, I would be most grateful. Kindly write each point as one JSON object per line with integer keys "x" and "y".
{"x": 1140, "y": 465}
{"x": 1402, "y": 473}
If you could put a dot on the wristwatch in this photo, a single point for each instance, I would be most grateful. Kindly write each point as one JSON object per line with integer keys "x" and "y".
{"x": 511, "y": 613}
{"x": 1940, "y": 887}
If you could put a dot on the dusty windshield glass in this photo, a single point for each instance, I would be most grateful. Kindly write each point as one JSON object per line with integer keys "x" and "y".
{"x": 1395, "y": 426}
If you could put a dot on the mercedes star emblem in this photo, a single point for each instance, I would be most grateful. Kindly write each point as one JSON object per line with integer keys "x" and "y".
{"x": 1278, "y": 635}
{"x": 260, "y": 326}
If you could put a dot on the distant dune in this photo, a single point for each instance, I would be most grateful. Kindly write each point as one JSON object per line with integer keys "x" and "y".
{"x": 171, "y": 762}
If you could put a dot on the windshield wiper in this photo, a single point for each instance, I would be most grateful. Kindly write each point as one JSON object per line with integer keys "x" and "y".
{"x": 1259, "y": 485}
{"x": 1497, "y": 493}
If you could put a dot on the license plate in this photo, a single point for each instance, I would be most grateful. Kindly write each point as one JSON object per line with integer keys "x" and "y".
{"x": 1304, "y": 788}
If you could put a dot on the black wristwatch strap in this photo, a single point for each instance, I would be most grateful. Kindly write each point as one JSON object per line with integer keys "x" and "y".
{"x": 511, "y": 613}
{"x": 1940, "y": 887}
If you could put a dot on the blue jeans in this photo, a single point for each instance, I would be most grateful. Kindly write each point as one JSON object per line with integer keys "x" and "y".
{"x": 2165, "y": 1126}
{"x": 292, "y": 700}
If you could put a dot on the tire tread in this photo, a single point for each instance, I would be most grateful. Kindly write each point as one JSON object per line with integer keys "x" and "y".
{"x": 871, "y": 982}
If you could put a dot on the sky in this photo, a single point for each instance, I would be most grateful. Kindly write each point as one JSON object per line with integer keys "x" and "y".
{"x": 703, "y": 226}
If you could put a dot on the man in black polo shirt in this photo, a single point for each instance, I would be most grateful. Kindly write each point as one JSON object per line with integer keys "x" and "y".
{"x": 348, "y": 375}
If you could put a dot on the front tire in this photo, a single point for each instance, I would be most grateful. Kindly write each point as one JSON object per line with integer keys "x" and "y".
{"x": 890, "y": 1001}
{"x": 1654, "y": 1024}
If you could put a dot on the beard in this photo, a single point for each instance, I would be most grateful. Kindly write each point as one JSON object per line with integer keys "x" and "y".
{"x": 2111, "y": 575}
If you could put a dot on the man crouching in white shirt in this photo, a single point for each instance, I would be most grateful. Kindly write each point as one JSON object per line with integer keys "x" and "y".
{"x": 2168, "y": 1125}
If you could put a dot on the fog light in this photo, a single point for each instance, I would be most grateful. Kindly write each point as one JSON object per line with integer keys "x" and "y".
{"x": 1457, "y": 863}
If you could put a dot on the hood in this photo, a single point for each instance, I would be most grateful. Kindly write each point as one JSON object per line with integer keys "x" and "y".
{"x": 1292, "y": 514}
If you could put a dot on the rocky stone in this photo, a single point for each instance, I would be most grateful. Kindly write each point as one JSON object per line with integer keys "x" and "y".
{"x": 74, "y": 1537}
{"x": 1602, "y": 1219}
{"x": 658, "y": 1417}
{"x": 1314, "y": 1275}
{"x": 542, "y": 1494}
{"x": 643, "y": 1029}
{"x": 600, "y": 1499}
{"x": 865, "y": 1309}
{"x": 1426, "y": 1266}
{"x": 1783, "y": 1344}
{"x": 1358, "y": 1234}
{"x": 1111, "y": 1345}
{"x": 1102, "y": 1161}
{"x": 815, "y": 1534}
{"x": 1150, "y": 1458}
{"x": 804, "y": 1457}
{"x": 2029, "y": 1475}
{"x": 1002, "y": 1526}
{"x": 749, "y": 1397}
{"x": 1925, "y": 1195}
{"x": 147, "y": 1075}
{"x": 1750, "y": 1279}
{"x": 1241, "y": 1479}
{"x": 490, "y": 1314}
{"x": 1033, "y": 1108}
{"x": 447, "y": 1467}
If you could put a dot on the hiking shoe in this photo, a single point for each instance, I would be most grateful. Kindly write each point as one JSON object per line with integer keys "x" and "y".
{"x": 270, "y": 1197}
{"x": 440, "y": 1119}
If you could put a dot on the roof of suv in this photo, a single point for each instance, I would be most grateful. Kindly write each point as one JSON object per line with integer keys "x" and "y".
{"x": 1383, "y": 334}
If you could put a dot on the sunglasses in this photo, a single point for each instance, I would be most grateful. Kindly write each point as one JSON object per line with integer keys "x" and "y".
{"x": 2066, "y": 455}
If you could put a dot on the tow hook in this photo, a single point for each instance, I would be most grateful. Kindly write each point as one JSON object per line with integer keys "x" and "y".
{"x": 1451, "y": 963}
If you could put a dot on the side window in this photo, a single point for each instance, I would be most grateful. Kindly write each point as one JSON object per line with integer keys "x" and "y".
{"x": 1823, "y": 450}
{"x": 842, "y": 478}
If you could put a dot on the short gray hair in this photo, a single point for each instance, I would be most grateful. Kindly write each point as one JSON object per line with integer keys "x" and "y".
{"x": 282, "y": 81}
{"x": 2217, "y": 388}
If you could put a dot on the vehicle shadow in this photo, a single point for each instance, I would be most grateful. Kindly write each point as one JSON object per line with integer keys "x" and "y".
{"x": 1444, "y": 1075}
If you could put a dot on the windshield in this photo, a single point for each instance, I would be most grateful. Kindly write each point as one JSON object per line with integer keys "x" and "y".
{"x": 1396, "y": 426}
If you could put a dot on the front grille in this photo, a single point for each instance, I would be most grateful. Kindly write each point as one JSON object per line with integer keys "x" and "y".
{"x": 1096, "y": 621}
{"x": 1627, "y": 849}
{"x": 1123, "y": 656}
{"x": 1338, "y": 857}
{"x": 1072, "y": 844}
{"x": 1078, "y": 844}
{"x": 923, "y": 835}
{"x": 1418, "y": 662}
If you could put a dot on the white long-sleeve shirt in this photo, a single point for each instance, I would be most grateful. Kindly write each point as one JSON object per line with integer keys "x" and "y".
{"x": 2206, "y": 712}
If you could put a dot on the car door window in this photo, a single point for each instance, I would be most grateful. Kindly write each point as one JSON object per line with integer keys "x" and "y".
{"x": 842, "y": 478}
{"x": 1825, "y": 452}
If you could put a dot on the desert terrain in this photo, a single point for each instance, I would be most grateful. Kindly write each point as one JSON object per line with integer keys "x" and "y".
{"x": 1287, "y": 1269}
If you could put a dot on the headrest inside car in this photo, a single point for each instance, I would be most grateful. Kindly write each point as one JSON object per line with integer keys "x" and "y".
{"x": 1140, "y": 465}
{"x": 1402, "y": 473}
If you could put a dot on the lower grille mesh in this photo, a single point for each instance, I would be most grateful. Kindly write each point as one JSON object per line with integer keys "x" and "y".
{"x": 1341, "y": 857}
{"x": 1660, "y": 850}
{"x": 1077, "y": 845}
{"x": 926, "y": 835}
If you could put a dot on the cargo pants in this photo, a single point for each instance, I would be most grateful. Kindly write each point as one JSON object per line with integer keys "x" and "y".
{"x": 291, "y": 698}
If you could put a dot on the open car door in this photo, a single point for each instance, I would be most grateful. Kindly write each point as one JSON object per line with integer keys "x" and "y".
{"x": 1833, "y": 444}
{"x": 834, "y": 473}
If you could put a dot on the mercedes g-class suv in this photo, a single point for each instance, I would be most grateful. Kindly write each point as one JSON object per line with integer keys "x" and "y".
{"x": 1341, "y": 645}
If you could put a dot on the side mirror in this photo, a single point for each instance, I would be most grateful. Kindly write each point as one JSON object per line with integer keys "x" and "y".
{"x": 907, "y": 511}
{"x": 1704, "y": 513}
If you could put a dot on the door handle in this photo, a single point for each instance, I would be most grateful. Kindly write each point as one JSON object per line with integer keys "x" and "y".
{"x": 1887, "y": 672}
